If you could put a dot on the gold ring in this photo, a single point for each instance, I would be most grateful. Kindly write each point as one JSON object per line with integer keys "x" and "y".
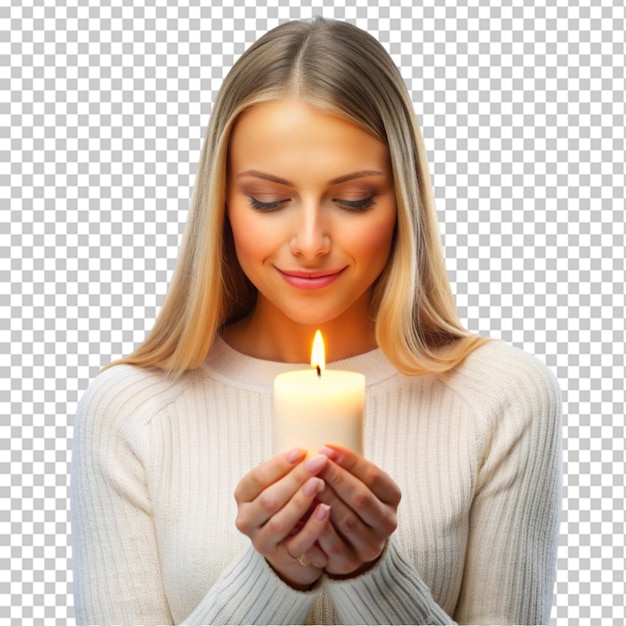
{"x": 303, "y": 560}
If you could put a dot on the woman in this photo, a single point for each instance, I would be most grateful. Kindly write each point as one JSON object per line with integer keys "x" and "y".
{"x": 313, "y": 209}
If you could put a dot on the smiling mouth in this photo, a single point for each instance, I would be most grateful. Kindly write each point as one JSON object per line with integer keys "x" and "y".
{"x": 310, "y": 280}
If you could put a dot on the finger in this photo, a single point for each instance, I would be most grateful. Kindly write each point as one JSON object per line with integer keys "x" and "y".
{"x": 342, "y": 558}
{"x": 274, "y": 497}
{"x": 313, "y": 557}
{"x": 304, "y": 542}
{"x": 276, "y": 513}
{"x": 291, "y": 518}
{"x": 360, "y": 503}
{"x": 340, "y": 511}
{"x": 267, "y": 473}
{"x": 374, "y": 478}
{"x": 252, "y": 515}
{"x": 287, "y": 524}
{"x": 366, "y": 540}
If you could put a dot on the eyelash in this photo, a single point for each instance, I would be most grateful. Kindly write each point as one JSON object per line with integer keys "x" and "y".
{"x": 358, "y": 205}
{"x": 351, "y": 205}
{"x": 264, "y": 206}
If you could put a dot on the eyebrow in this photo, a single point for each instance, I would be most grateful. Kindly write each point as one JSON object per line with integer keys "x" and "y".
{"x": 335, "y": 181}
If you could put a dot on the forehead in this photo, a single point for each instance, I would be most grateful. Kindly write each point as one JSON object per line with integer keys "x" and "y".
{"x": 292, "y": 133}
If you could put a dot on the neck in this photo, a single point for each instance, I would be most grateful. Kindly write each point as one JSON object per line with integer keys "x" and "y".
{"x": 278, "y": 338}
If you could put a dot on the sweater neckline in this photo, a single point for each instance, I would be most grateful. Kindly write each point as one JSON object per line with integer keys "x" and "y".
{"x": 228, "y": 364}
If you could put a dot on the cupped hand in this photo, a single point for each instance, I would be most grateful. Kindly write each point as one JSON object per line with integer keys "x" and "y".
{"x": 278, "y": 509}
{"x": 363, "y": 502}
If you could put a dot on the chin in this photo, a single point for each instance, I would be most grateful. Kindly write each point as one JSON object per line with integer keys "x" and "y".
{"x": 313, "y": 318}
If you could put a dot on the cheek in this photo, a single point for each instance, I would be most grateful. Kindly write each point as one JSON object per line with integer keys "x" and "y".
{"x": 374, "y": 242}
{"x": 252, "y": 237}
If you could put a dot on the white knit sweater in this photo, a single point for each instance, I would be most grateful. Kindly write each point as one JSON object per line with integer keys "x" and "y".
{"x": 476, "y": 454}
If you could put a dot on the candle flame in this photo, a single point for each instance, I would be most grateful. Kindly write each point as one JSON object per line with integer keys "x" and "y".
{"x": 318, "y": 357}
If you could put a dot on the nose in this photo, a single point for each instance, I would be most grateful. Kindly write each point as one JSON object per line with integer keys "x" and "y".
{"x": 311, "y": 238}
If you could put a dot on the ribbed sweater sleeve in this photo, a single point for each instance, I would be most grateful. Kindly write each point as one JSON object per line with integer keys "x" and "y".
{"x": 509, "y": 570}
{"x": 116, "y": 553}
{"x": 514, "y": 520}
{"x": 249, "y": 592}
{"x": 392, "y": 593}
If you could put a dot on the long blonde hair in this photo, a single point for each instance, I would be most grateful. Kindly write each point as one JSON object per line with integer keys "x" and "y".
{"x": 344, "y": 70}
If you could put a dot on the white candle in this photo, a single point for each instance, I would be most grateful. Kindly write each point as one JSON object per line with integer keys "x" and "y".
{"x": 318, "y": 406}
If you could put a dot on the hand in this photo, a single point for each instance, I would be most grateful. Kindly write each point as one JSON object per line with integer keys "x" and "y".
{"x": 364, "y": 501}
{"x": 277, "y": 509}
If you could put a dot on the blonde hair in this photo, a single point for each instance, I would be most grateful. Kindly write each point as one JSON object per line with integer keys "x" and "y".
{"x": 344, "y": 70}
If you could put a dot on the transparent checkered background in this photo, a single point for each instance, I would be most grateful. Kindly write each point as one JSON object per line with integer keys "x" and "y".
{"x": 102, "y": 114}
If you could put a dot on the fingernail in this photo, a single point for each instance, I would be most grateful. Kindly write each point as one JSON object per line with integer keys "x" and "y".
{"x": 322, "y": 512}
{"x": 332, "y": 454}
{"x": 313, "y": 486}
{"x": 294, "y": 455}
{"x": 315, "y": 464}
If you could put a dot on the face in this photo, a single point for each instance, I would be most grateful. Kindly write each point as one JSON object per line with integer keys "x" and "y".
{"x": 312, "y": 209}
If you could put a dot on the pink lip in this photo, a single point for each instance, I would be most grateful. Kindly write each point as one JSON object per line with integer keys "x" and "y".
{"x": 310, "y": 280}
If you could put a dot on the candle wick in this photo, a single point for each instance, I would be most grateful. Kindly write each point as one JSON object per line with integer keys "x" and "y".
{"x": 319, "y": 371}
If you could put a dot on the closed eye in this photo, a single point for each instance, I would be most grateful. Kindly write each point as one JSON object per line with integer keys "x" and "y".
{"x": 357, "y": 205}
{"x": 256, "y": 204}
